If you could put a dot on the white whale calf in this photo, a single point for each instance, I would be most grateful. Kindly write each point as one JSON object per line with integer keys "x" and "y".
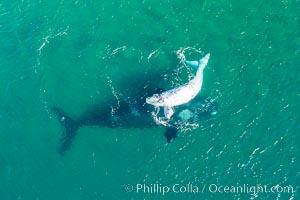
{"x": 182, "y": 94}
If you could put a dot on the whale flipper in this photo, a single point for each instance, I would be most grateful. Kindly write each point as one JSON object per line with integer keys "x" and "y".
{"x": 168, "y": 111}
{"x": 171, "y": 133}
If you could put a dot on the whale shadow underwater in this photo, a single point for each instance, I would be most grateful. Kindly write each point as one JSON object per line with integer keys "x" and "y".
{"x": 133, "y": 112}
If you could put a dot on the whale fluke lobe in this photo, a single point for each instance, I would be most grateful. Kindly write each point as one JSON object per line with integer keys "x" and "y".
{"x": 199, "y": 64}
{"x": 194, "y": 64}
{"x": 203, "y": 62}
{"x": 70, "y": 128}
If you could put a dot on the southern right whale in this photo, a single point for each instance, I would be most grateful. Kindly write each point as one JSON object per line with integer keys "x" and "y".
{"x": 132, "y": 111}
{"x": 182, "y": 94}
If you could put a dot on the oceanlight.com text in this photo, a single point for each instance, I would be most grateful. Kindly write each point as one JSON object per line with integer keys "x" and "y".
{"x": 250, "y": 189}
{"x": 163, "y": 189}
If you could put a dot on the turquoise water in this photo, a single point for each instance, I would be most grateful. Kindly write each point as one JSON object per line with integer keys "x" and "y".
{"x": 80, "y": 55}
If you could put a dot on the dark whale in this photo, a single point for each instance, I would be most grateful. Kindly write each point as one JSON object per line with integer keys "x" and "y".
{"x": 131, "y": 113}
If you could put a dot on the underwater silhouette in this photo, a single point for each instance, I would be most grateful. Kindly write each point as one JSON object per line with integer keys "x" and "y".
{"x": 132, "y": 114}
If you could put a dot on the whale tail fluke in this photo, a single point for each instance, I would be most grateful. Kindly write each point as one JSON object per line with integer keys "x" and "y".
{"x": 199, "y": 64}
{"x": 70, "y": 128}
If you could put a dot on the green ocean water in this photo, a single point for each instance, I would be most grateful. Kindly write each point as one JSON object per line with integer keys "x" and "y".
{"x": 77, "y": 54}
